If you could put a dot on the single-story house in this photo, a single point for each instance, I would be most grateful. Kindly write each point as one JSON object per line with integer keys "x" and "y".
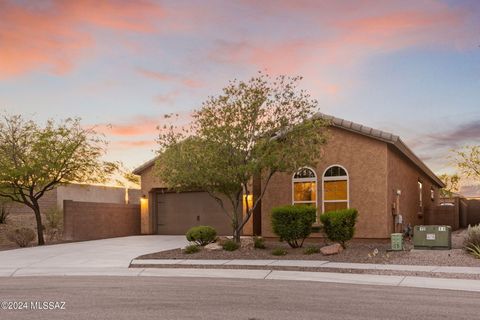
{"x": 363, "y": 168}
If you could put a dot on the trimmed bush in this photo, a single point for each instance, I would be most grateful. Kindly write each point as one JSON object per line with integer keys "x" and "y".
{"x": 339, "y": 226}
{"x": 279, "y": 252}
{"x": 311, "y": 250}
{"x": 293, "y": 223}
{"x": 191, "y": 248}
{"x": 230, "y": 245}
{"x": 201, "y": 235}
{"x": 259, "y": 243}
{"x": 22, "y": 236}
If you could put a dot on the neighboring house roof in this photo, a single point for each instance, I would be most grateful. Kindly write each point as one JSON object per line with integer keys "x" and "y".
{"x": 382, "y": 136}
{"x": 360, "y": 129}
{"x": 145, "y": 166}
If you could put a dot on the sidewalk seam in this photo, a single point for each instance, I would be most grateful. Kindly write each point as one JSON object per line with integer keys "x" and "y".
{"x": 13, "y": 273}
{"x": 267, "y": 274}
{"x": 401, "y": 281}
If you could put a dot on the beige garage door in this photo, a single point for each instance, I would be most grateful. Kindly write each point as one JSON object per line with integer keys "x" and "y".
{"x": 177, "y": 212}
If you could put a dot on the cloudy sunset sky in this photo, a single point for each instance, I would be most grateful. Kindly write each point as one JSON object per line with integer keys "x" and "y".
{"x": 408, "y": 67}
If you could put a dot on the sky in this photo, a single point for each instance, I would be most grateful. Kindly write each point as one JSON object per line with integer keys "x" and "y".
{"x": 407, "y": 67}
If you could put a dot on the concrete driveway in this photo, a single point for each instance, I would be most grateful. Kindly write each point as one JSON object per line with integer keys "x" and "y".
{"x": 106, "y": 253}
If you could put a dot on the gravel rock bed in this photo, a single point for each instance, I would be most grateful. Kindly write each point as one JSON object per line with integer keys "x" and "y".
{"x": 358, "y": 251}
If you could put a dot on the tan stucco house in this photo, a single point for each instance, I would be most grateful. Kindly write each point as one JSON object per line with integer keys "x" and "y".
{"x": 363, "y": 168}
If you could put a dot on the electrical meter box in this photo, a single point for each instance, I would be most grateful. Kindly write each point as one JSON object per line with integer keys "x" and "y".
{"x": 432, "y": 237}
{"x": 396, "y": 240}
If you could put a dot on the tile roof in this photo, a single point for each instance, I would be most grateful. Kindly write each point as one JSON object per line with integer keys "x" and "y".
{"x": 360, "y": 129}
{"x": 382, "y": 136}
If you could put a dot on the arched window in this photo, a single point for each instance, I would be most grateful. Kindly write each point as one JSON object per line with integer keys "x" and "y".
{"x": 304, "y": 189}
{"x": 335, "y": 188}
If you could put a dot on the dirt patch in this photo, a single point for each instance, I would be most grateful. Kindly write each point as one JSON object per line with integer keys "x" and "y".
{"x": 19, "y": 220}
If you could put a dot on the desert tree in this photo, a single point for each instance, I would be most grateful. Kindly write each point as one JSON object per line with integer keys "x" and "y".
{"x": 35, "y": 159}
{"x": 254, "y": 128}
{"x": 468, "y": 161}
{"x": 451, "y": 185}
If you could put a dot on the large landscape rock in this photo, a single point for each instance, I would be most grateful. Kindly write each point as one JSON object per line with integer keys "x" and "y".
{"x": 331, "y": 249}
{"x": 213, "y": 246}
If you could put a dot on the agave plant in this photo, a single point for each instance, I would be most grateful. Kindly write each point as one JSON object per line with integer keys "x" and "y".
{"x": 474, "y": 250}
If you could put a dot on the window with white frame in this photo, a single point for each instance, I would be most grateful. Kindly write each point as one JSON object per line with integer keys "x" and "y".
{"x": 335, "y": 189}
{"x": 420, "y": 195}
{"x": 304, "y": 189}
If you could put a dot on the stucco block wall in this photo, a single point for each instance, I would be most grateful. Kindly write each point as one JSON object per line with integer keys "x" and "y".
{"x": 404, "y": 175}
{"x": 91, "y": 193}
{"x": 473, "y": 211}
{"x": 365, "y": 159}
{"x": 90, "y": 221}
{"x": 48, "y": 201}
{"x": 149, "y": 181}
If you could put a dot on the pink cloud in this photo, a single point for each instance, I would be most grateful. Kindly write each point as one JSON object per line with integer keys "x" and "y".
{"x": 128, "y": 144}
{"x": 56, "y": 34}
{"x": 349, "y": 33}
{"x": 137, "y": 126}
{"x": 166, "y": 77}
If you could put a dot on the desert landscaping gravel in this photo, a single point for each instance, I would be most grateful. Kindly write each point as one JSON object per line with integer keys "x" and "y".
{"x": 358, "y": 251}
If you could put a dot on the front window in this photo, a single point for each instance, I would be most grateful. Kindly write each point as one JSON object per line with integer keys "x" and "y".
{"x": 420, "y": 195}
{"x": 335, "y": 189}
{"x": 305, "y": 187}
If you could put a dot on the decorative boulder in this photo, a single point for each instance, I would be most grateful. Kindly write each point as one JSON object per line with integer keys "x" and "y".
{"x": 331, "y": 249}
{"x": 213, "y": 246}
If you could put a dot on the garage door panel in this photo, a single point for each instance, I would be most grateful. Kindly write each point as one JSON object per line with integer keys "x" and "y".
{"x": 177, "y": 212}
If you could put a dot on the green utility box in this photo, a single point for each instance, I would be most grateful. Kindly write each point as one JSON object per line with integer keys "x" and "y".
{"x": 432, "y": 237}
{"x": 396, "y": 241}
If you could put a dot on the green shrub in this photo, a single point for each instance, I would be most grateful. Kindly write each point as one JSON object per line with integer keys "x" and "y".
{"x": 22, "y": 236}
{"x": 191, "y": 248}
{"x": 259, "y": 243}
{"x": 201, "y": 235}
{"x": 311, "y": 250}
{"x": 339, "y": 226}
{"x": 279, "y": 251}
{"x": 230, "y": 245}
{"x": 293, "y": 223}
{"x": 472, "y": 241}
{"x": 4, "y": 213}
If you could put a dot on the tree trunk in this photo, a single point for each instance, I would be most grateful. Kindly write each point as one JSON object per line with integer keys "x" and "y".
{"x": 38, "y": 218}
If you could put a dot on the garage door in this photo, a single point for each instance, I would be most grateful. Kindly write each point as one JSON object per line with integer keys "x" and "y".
{"x": 177, "y": 212}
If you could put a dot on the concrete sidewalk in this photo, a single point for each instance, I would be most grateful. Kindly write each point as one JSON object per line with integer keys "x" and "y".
{"x": 309, "y": 264}
{"x": 261, "y": 275}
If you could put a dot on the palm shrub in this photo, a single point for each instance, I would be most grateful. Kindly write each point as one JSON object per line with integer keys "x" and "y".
{"x": 293, "y": 223}
{"x": 279, "y": 252}
{"x": 472, "y": 241}
{"x": 339, "y": 226}
{"x": 259, "y": 243}
{"x": 311, "y": 250}
{"x": 191, "y": 248}
{"x": 201, "y": 235}
{"x": 230, "y": 245}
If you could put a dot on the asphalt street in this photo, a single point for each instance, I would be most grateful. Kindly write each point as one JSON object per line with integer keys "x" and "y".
{"x": 199, "y": 298}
